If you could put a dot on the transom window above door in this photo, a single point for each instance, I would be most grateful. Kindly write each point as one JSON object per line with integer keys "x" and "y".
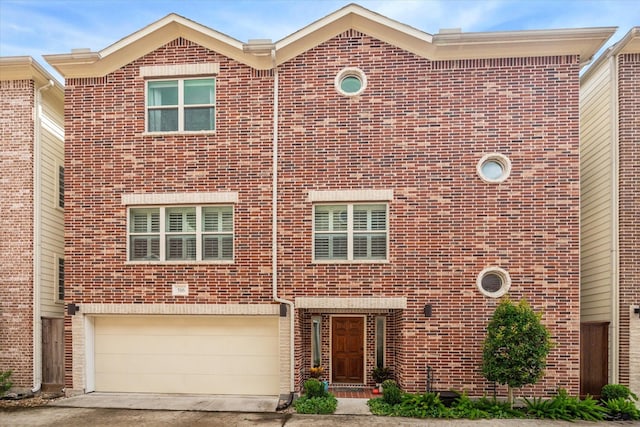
{"x": 350, "y": 232}
{"x": 181, "y": 105}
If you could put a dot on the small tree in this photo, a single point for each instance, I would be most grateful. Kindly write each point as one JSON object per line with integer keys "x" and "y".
{"x": 516, "y": 347}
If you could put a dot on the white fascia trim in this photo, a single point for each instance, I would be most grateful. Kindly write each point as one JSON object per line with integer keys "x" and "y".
{"x": 179, "y": 198}
{"x": 397, "y": 303}
{"x": 350, "y": 195}
{"x": 180, "y": 70}
{"x": 172, "y": 18}
{"x": 355, "y": 11}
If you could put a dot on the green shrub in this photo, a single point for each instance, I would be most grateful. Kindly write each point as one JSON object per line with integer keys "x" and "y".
{"x": 427, "y": 405}
{"x": 5, "y": 382}
{"x": 378, "y": 406}
{"x": 464, "y": 407}
{"x": 497, "y": 409}
{"x": 316, "y": 405}
{"x": 565, "y": 407}
{"x": 621, "y": 409}
{"x": 391, "y": 393}
{"x": 516, "y": 347}
{"x": 617, "y": 391}
{"x": 314, "y": 388}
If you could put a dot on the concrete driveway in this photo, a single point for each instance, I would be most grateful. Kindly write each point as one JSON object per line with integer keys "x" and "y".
{"x": 177, "y": 402}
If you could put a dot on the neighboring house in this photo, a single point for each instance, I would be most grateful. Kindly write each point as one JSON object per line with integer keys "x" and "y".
{"x": 419, "y": 178}
{"x": 610, "y": 224}
{"x": 32, "y": 203}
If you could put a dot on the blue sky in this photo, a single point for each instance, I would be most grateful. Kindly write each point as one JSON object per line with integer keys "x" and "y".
{"x": 41, "y": 27}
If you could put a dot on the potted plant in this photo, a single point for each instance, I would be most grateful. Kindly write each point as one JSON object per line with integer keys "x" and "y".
{"x": 316, "y": 372}
{"x": 380, "y": 374}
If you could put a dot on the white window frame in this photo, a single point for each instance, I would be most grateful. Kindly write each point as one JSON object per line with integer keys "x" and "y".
{"x": 350, "y": 232}
{"x": 180, "y": 106}
{"x": 500, "y": 159}
{"x": 56, "y": 282}
{"x": 162, "y": 234}
{"x": 502, "y": 274}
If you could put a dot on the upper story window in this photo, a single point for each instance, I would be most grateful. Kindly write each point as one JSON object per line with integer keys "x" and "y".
{"x": 350, "y": 232}
{"x": 60, "y": 279}
{"x": 61, "y": 187}
{"x": 181, "y": 233}
{"x": 181, "y": 105}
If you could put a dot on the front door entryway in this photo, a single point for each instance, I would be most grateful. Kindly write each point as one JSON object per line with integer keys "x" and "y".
{"x": 347, "y": 349}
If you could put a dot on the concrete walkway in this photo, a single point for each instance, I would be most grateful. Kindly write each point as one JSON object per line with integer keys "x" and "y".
{"x": 352, "y": 407}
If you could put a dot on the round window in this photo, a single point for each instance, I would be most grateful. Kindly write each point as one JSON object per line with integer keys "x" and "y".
{"x": 494, "y": 168}
{"x": 350, "y": 81}
{"x": 493, "y": 282}
{"x": 350, "y": 84}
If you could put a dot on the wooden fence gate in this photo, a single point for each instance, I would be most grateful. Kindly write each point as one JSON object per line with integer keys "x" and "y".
{"x": 594, "y": 357}
{"x": 52, "y": 354}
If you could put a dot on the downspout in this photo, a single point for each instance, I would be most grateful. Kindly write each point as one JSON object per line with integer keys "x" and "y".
{"x": 37, "y": 238}
{"x": 274, "y": 231}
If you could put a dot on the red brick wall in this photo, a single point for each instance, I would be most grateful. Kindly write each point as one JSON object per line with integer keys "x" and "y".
{"x": 108, "y": 156}
{"x": 629, "y": 187}
{"x": 419, "y": 129}
{"x": 16, "y": 230}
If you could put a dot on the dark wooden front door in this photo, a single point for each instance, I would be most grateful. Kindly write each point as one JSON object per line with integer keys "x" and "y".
{"x": 594, "y": 362}
{"x": 347, "y": 354}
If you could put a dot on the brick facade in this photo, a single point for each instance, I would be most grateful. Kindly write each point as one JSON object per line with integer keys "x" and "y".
{"x": 419, "y": 129}
{"x": 16, "y": 230}
{"x": 629, "y": 208}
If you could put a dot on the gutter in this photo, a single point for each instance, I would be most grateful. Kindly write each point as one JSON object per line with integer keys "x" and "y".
{"x": 37, "y": 237}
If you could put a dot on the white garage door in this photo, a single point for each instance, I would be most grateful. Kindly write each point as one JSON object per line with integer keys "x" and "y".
{"x": 187, "y": 354}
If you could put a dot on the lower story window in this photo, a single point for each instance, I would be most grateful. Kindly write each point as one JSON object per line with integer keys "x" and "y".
{"x": 381, "y": 326}
{"x": 316, "y": 359}
{"x": 183, "y": 233}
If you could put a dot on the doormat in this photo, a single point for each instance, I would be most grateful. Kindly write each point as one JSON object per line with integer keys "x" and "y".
{"x": 346, "y": 388}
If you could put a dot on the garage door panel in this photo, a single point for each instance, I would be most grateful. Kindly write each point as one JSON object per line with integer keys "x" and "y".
{"x": 190, "y": 325}
{"x": 204, "y": 344}
{"x": 187, "y": 354}
{"x": 187, "y": 365}
{"x": 195, "y": 384}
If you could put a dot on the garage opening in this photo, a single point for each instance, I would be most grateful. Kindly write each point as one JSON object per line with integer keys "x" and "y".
{"x": 228, "y": 355}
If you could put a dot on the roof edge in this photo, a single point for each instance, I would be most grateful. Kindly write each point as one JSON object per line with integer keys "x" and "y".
{"x": 632, "y": 36}
{"x": 25, "y": 67}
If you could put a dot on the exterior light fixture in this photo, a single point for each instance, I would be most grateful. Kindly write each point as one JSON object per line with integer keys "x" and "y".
{"x": 428, "y": 310}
